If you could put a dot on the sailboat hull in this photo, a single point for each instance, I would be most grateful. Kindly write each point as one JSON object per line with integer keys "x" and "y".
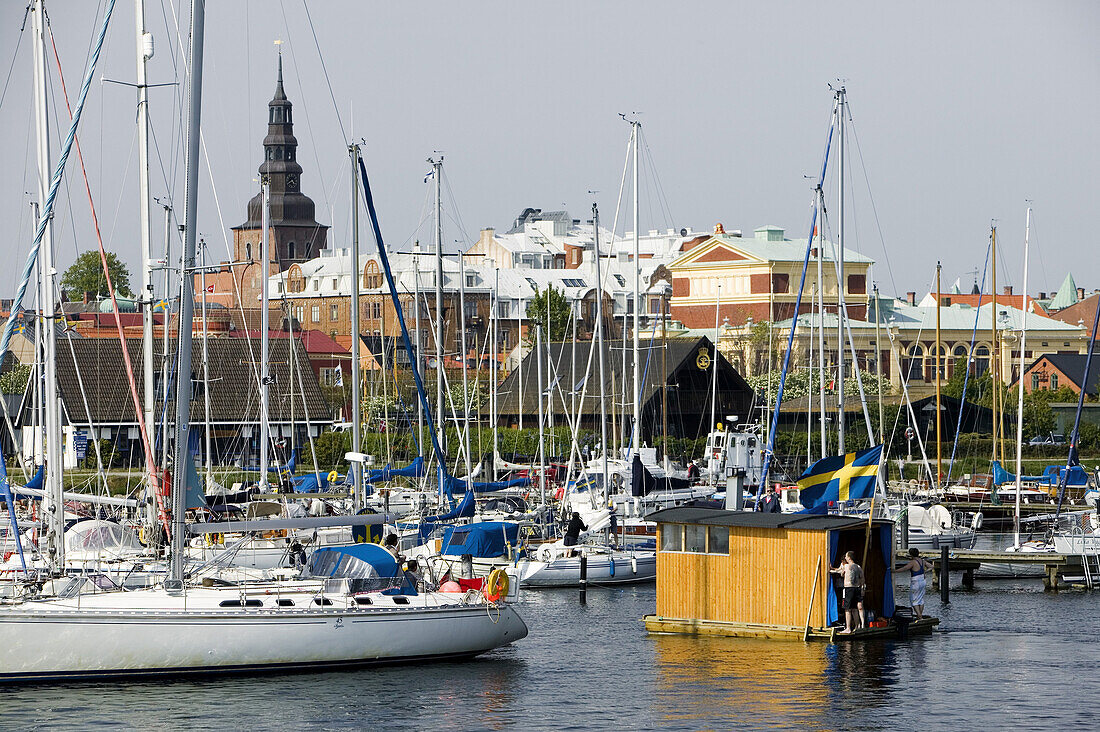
{"x": 56, "y": 640}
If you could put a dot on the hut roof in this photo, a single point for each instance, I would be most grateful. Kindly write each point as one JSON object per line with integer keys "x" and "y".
{"x": 752, "y": 519}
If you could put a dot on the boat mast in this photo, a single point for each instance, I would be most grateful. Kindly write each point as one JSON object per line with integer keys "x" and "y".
{"x": 840, "y": 308}
{"x": 144, "y": 45}
{"x": 1020, "y": 385}
{"x": 939, "y": 396}
{"x": 664, "y": 378}
{"x": 464, "y": 440}
{"x": 994, "y": 355}
{"x": 187, "y": 296}
{"x": 356, "y": 400}
{"x": 206, "y": 375}
{"x": 714, "y": 373}
{"x": 265, "y": 336}
{"x": 600, "y": 351}
{"x": 878, "y": 365}
{"x": 441, "y": 415}
{"x": 637, "y": 381}
{"x": 54, "y": 505}
{"x": 494, "y": 372}
{"x": 821, "y": 332}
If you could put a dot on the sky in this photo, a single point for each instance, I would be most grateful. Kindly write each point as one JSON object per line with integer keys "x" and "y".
{"x": 962, "y": 114}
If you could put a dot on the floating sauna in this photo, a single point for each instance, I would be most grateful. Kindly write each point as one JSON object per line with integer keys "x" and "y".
{"x": 740, "y": 573}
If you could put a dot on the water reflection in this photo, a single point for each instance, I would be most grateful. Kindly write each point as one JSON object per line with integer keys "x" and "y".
{"x": 741, "y": 681}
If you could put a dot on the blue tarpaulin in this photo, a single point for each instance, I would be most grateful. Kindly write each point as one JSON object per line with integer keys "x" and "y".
{"x": 487, "y": 539}
{"x": 415, "y": 469}
{"x": 459, "y": 486}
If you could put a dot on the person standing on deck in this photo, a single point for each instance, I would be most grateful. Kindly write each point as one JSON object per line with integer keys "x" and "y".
{"x": 574, "y": 529}
{"x": 853, "y": 591}
{"x": 918, "y": 581}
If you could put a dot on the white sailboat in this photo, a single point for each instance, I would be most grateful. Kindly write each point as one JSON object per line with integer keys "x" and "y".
{"x": 332, "y": 617}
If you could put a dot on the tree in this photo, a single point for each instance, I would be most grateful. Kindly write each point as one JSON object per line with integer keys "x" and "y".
{"x": 14, "y": 381}
{"x": 560, "y": 313}
{"x": 86, "y": 275}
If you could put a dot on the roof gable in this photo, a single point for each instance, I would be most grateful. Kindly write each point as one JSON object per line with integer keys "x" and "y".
{"x": 713, "y": 250}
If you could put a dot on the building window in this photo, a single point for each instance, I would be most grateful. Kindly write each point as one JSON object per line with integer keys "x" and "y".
{"x": 1034, "y": 382}
{"x": 503, "y": 338}
{"x": 470, "y": 309}
{"x": 1054, "y": 382}
{"x": 299, "y": 315}
{"x": 334, "y": 312}
{"x": 695, "y": 539}
{"x": 471, "y": 281}
{"x": 335, "y": 283}
{"x": 248, "y": 250}
{"x": 317, "y": 285}
{"x": 718, "y": 540}
{"x": 672, "y": 538}
{"x": 290, "y": 249}
{"x": 315, "y": 313}
{"x": 376, "y": 310}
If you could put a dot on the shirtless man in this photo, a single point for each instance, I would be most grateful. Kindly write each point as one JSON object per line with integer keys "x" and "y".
{"x": 853, "y": 591}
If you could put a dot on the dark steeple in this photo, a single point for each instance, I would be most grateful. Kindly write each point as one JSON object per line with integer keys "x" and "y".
{"x": 289, "y": 206}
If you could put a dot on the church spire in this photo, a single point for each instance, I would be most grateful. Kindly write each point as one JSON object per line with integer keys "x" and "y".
{"x": 280, "y": 95}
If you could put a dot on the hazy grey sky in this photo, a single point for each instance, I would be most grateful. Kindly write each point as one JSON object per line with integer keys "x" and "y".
{"x": 963, "y": 111}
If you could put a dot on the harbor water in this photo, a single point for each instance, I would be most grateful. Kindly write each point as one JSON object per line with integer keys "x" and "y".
{"x": 1008, "y": 655}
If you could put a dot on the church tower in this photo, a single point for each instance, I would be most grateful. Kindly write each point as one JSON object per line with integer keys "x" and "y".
{"x": 295, "y": 234}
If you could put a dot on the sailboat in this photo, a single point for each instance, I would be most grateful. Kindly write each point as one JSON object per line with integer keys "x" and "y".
{"x": 351, "y": 606}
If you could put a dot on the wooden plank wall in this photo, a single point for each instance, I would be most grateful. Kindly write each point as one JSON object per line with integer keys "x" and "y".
{"x": 766, "y": 578}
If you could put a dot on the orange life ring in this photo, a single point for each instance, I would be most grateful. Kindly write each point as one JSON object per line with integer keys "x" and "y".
{"x": 496, "y": 586}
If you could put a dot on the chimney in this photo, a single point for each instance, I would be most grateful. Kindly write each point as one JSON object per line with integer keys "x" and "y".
{"x": 911, "y": 298}
{"x": 1008, "y": 289}
{"x": 1080, "y": 293}
{"x": 1042, "y": 296}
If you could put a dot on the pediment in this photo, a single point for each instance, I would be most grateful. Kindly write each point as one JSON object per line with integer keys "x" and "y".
{"x": 716, "y": 250}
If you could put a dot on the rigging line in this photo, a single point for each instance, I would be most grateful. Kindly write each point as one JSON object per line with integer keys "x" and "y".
{"x": 324, "y": 69}
{"x": 969, "y": 360}
{"x": 305, "y": 105}
{"x": 14, "y": 55}
{"x": 874, "y": 207}
{"x": 659, "y": 187}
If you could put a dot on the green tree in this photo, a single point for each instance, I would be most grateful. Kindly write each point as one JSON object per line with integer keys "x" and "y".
{"x": 554, "y": 303}
{"x": 14, "y": 381}
{"x": 86, "y": 275}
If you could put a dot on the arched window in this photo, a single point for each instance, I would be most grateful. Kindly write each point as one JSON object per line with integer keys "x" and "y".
{"x": 248, "y": 250}
{"x": 930, "y": 362}
{"x": 290, "y": 250}
{"x": 913, "y": 365}
{"x": 981, "y": 360}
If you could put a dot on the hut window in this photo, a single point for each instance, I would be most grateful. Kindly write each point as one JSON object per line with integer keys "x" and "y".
{"x": 695, "y": 539}
{"x": 672, "y": 538}
{"x": 718, "y": 540}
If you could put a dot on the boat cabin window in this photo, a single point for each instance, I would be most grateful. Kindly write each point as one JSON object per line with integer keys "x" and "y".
{"x": 718, "y": 540}
{"x": 695, "y": 539}
{"x": 284, "y": 602}
{"x": 322, "y": 601}
{"x": 241, "y": 603}
{"x": 672, "y": 538}
{"x": 399, "y": 600}
{"x": 364, "y": 601}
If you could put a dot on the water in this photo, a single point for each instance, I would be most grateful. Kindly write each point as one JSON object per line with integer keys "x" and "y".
{"x": 1008, "y": 656}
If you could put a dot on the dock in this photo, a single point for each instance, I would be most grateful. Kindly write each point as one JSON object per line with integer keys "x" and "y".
{"x": 693, "y": 626}
{"x": 1060, "y": 569}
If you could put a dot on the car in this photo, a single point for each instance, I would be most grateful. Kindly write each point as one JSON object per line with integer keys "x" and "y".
{"x": 1048, "y": 439}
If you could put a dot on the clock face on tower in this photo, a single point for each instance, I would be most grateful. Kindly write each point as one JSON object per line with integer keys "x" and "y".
{"x": 292, "y": 182}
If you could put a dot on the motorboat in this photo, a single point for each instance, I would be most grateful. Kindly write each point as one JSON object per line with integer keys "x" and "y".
{"x": 558, "y": 565}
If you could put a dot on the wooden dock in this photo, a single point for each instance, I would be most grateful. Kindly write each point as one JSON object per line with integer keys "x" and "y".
{"x": 968, "y": 560}
{"x": 690, "y": 626}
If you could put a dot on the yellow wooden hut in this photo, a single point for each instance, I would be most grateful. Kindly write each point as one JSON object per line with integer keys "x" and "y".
{"x": 742, "y": 573}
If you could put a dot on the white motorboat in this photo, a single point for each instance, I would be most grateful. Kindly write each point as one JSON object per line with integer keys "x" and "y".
{"x": 1017, "y": 569}
{"x": 557, "y": 565}
{"x": 933, "y": 527}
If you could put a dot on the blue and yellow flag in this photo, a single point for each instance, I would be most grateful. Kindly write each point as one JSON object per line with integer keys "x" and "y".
{"x": 848, "y": 477}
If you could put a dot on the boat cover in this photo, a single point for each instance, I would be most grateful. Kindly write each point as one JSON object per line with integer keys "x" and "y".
{"x": 486, "y": 540}
{"x": 355, "y": 561}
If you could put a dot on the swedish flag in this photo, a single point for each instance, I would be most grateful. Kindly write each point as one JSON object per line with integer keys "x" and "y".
{"x": 848, "y": 477}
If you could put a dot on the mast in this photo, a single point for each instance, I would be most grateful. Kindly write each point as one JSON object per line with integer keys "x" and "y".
{"x": 714, "y": 377}
{"x": 636, "y": 383}
{"x": 821, "y": 333}
{"x": 187, "y": 296}
{"x": 144, "y": 44}
{"x": 664, "y": 378}
{"x": 600, "y": 351}
{"x": 419, "y": 345}
{"x": 994, "y": 357}
{"x": 840, "y": 309}
{"x": 939, "y": 395}
{"x": 356, "y": 400}
{"x": 494, "y": 367}
{"x": 54, "y": 505}
{"x": 265, "y": 338}
{"x": 464, "y": 444}
{"x": 441, "y": 415}
{"x": 878, "y": 365}
{"x": 1020, "y": 397}
{"x": 542, "y": 424}
{"x": 206, "y": 375}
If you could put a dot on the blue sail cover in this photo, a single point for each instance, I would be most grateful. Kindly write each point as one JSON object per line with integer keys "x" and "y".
{"x": 38, "y": 479}
{"x": 485, "y": 540}
{"x": 415, "y": 469}
{"x": 1051, "y": 476}
{"x": 463, "y": 509}
{"x": 288, "y": 469}
{"x": 459, "y": 486}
